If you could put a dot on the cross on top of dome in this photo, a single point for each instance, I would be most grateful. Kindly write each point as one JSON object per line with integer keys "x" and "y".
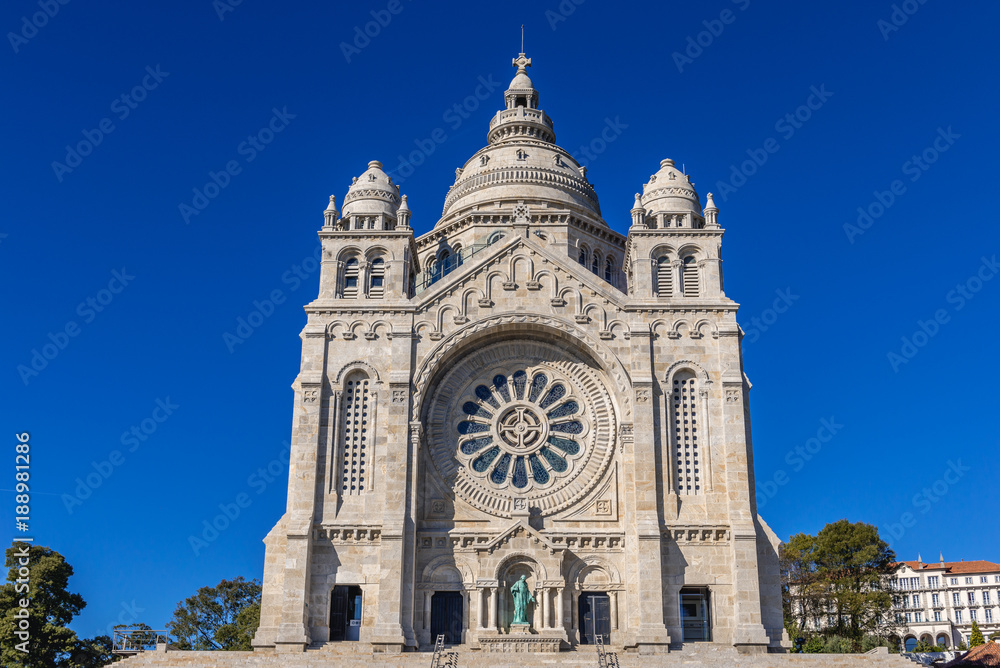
{"x": 521, "y": 62}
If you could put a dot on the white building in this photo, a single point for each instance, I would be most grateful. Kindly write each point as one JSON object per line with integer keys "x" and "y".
{"x": 521, "y": 391}
{"x": 938, "y": 602}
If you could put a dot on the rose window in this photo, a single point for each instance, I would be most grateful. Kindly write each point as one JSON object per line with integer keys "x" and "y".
{"x": 521, "y": 430}
{"x": 519, "y": 420}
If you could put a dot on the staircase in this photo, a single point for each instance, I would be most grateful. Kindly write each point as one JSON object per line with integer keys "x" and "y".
{"x": 339, "y": 655}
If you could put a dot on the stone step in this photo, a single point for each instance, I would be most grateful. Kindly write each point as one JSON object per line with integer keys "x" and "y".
{"x": 708, "y": 657}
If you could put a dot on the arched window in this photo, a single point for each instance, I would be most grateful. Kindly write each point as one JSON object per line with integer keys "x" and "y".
{"x": 495, "y": 237}
{"x": 595, "y": 264}
{"x": 444, "y": 262}
{"x": 457, "y": 250}
{"x": 664, "y": 277}
{"x": 351, "y": 278}
{"x": 687, "y": 442}
{"x": 582, "y": 258}
{"x": 609, "y": 269}
{"x": 942, "y": 641}
{"x": 356, "y": 435}
{"x": 359, "y": 223}
{"x": 376, "y": 279}
{"x": 689, "y": 277}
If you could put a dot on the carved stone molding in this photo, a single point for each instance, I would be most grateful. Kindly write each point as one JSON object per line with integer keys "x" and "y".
{"x": 687, "y": 534}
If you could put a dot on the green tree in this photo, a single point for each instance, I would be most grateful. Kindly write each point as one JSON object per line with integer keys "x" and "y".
{"x": 52, "y": 607}
{"x": 92, "y": 653}
{"x": 923, "y": 646}
{"x": 815, "y": 645}
{"x": 976, "y": 639}
{"x": 840, "y": 574}
{"x": 223, "y": 617}
{"x": 838, "y": 645}
{"x": 239, "y": 634}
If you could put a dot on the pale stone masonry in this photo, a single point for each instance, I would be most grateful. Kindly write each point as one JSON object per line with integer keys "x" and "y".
{"x": 521, "y": 391}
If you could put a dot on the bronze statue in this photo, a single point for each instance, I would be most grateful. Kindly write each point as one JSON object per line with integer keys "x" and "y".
{"x": 522, "y": 597}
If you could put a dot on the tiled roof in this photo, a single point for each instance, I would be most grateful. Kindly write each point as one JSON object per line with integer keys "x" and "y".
{"x": 984, "y": 655}
{"x": 956, "y": 567}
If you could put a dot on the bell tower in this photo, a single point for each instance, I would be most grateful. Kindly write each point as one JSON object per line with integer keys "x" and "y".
{"x": 368, "y": 250}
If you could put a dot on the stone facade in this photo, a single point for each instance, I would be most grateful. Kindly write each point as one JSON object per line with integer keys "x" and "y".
{"x": 521, "y": 391}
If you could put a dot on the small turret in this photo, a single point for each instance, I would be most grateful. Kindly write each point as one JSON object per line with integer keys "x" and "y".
{"x": 711, "y": 213}
{"x": 638, "y": 213}
{"x": 403, "y": 215}
{"x": 331, "y": 214}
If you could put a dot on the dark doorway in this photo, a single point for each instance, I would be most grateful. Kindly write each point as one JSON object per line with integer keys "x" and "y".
{"x": 695, "y": 615}
{"x": 595, "y": 617}
{"x": 446, "y": 616}
{"x": 345, "y": 613}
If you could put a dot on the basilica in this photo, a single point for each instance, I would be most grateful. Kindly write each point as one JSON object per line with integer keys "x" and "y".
{"x": 521, "y": 430}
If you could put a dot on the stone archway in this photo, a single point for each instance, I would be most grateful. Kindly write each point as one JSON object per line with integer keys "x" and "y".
{"x": 510, "y": 573}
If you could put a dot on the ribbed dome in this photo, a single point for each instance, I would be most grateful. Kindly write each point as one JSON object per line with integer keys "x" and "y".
{"x": 669, "y": 191}
{"x": 525, "y": 171}
{"x": 372, "y": 193}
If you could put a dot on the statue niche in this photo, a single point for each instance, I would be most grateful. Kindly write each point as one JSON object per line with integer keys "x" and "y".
{"x": 519, "y": 604}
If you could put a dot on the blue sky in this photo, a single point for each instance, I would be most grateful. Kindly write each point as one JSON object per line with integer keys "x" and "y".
{"x": 133, "y": 294}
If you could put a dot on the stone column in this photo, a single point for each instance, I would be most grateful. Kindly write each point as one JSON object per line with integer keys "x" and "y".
{"x": 644, "y": 560}
{"x": 481, "y": 601}
{"x": 293, "y": 632}
{"x": 560, "y": 622}
{"x": 400, "y": 440}
{"x": 614, "y": 610}
{"x": 427, "y": 610}
{"x": 466, "y": 609}
{"x": 536, "y": 615}
{"x": 545, "y": 608}
{"x": 574, "y": 600}
{"x": 736, "y": 449}
{"x": 491, "y": 607}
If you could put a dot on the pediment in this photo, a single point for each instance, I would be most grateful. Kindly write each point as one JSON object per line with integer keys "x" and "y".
{"x": 519, "y": 262}
{"x": 519, "y": 529}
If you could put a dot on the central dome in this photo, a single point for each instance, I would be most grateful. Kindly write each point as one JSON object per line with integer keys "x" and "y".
{"x": 521, "y": 160}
